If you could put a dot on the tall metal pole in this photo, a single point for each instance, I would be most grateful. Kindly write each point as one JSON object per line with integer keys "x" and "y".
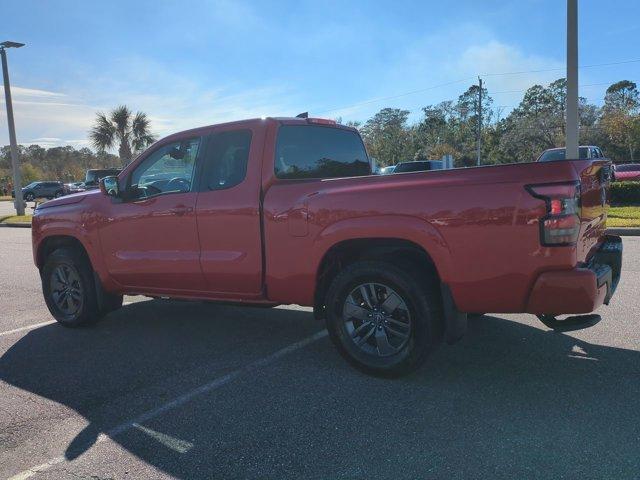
{"x": 15, "y": 161}
{"x": 479, "y": 119}
{"x": 572, "y": 140}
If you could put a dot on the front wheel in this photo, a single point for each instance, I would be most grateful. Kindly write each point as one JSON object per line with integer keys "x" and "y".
{"x": 68, "y": 288}
{"x": 384, "y": 320}
{"x": 59, "y": 194}
{"x": 29, "y": 197}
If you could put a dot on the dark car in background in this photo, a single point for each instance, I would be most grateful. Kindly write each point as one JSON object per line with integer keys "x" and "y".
{"x": 418, "y": 166}
{"x": 626, "y": 172}
{"x": 75, "y": 187}
{"x": 93, "y": 176}
{"x": 586, "y": 152}
{"x": 42, "y": 190}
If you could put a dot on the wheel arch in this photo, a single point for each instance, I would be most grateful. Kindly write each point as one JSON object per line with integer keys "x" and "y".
{"x": 397, "y": 250}
{"x": 53, "y": 242}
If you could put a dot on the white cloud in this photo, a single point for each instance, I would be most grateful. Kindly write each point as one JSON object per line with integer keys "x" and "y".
{"x": 20, "y": 92}
{"x": 444, "y": 63}
{"x": 185, "y": 106}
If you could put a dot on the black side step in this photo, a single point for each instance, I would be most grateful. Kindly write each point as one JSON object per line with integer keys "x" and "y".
{"x": 577, "y": 322}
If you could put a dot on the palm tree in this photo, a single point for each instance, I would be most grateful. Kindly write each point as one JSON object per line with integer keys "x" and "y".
{"x": 131, "y": 133}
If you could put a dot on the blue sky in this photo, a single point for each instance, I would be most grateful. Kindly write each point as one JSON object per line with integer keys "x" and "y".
{"x": 195, "y": 63}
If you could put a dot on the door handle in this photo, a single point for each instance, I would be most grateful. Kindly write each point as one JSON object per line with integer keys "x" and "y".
{"x": 181, "y": 210}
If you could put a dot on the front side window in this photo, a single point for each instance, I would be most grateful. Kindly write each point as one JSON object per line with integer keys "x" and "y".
{"x": 310, "y": 151}
{"x": 170, "y": 169}
{"x": 226, "y": 159}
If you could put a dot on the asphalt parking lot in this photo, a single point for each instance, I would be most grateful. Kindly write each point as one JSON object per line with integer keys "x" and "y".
{"x": 191, "y": 390}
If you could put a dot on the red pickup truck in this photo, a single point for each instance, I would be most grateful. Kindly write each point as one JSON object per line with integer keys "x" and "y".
{"x": 286, "y": 211}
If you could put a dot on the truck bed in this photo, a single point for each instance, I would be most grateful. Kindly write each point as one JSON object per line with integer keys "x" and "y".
{"x": 479, "y": 225}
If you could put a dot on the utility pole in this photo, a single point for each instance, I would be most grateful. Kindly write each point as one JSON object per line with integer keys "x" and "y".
{"x": 15, "y": 161}
{"x": 572, "y": 140}
{"x": 479, "y": 118}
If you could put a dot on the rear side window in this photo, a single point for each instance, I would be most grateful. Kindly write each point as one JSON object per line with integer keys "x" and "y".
{"x": 311, "y": 151}
{"x": 226, "y": 159}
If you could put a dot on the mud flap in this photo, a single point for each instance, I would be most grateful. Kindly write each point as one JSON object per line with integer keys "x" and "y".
{"x": 101, "y": 295}
{"x": 455, "y": 320}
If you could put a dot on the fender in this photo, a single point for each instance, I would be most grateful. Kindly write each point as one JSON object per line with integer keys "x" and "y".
{"x": 85, "y": 232}
{"x": 401, "y": 227}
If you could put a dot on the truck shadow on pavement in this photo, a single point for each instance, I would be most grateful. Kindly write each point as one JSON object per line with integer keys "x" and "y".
{"x": 508, "y": 400}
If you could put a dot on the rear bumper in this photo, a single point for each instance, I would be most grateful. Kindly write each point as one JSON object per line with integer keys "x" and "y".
{"x": 581, "y": 290}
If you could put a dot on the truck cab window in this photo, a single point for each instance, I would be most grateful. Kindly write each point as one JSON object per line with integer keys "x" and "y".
{"x": 169, "y": 169}
{"x": 226, "y": 159}
{"x": 310, "y": 151}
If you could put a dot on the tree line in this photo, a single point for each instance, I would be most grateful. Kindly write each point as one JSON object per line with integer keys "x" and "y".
{"x": 67, "y": 164}
{"x": 536, "y": 124}
{"x": 449, "y": 127}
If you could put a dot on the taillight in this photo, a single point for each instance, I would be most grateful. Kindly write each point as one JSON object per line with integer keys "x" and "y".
{"x": 561, "y": 224}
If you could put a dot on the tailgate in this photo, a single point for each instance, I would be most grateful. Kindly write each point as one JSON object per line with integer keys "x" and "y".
{"x": 595, "y": 177}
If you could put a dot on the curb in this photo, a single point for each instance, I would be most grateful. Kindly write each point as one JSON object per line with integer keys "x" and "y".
{"x": 628, "y": 231}
{"x": 15, "y": 225}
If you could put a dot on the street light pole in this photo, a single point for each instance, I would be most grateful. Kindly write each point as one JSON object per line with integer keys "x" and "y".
{"x": 479, "y": 146}
{"x": 15, "y": 161}
{"x": 571, "y": 130}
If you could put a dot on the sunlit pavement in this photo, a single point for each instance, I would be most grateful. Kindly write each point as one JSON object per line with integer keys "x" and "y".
{"x": 193, "y": 390}
{"x": 7, "y": 208}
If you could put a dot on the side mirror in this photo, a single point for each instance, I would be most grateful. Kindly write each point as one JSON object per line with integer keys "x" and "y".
{"x": 109, "y": 186}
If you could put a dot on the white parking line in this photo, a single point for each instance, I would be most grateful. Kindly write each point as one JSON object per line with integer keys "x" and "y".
{"x": 181, "y": 400}
{"x": 175, "y": 444}
{"x": 28, "y": 327}
{"x": 42, "y": 324}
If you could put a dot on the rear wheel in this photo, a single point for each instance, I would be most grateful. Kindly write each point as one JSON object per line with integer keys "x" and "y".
{"x": 29, "y": 197}
{"x": 59, "y": 193}
{"x": 384, "y": 320}
{"x": 69, "y": 289}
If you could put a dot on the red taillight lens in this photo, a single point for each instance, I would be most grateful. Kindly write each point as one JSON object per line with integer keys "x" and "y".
{"x": 561, "y": 224}
{"x": 556, "y": 206}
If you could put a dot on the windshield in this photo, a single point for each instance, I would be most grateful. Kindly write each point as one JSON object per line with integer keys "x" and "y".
{"x": 559, "y": 154}
{"x": 94, "y": 175}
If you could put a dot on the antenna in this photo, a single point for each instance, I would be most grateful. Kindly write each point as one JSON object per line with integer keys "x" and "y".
{"x": 303, "y": 115}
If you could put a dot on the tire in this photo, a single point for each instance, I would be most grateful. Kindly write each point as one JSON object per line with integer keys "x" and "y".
{"x": 29, "y": 197}
{"x": 68, "y": 271}
{"x": 413, "y": 327}
{"x": 59, "y": 194}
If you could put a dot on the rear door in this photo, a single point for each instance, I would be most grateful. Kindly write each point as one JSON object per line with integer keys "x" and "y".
{"x": 228, "y": 212}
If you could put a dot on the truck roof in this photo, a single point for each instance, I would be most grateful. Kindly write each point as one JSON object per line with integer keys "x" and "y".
{"x": 250, "y": 122}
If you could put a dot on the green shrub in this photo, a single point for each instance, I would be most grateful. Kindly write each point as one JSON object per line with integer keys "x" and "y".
{"x": 625, "y": 193}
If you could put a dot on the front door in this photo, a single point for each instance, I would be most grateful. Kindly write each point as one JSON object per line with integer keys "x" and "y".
{"x": 150, "y": 238}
